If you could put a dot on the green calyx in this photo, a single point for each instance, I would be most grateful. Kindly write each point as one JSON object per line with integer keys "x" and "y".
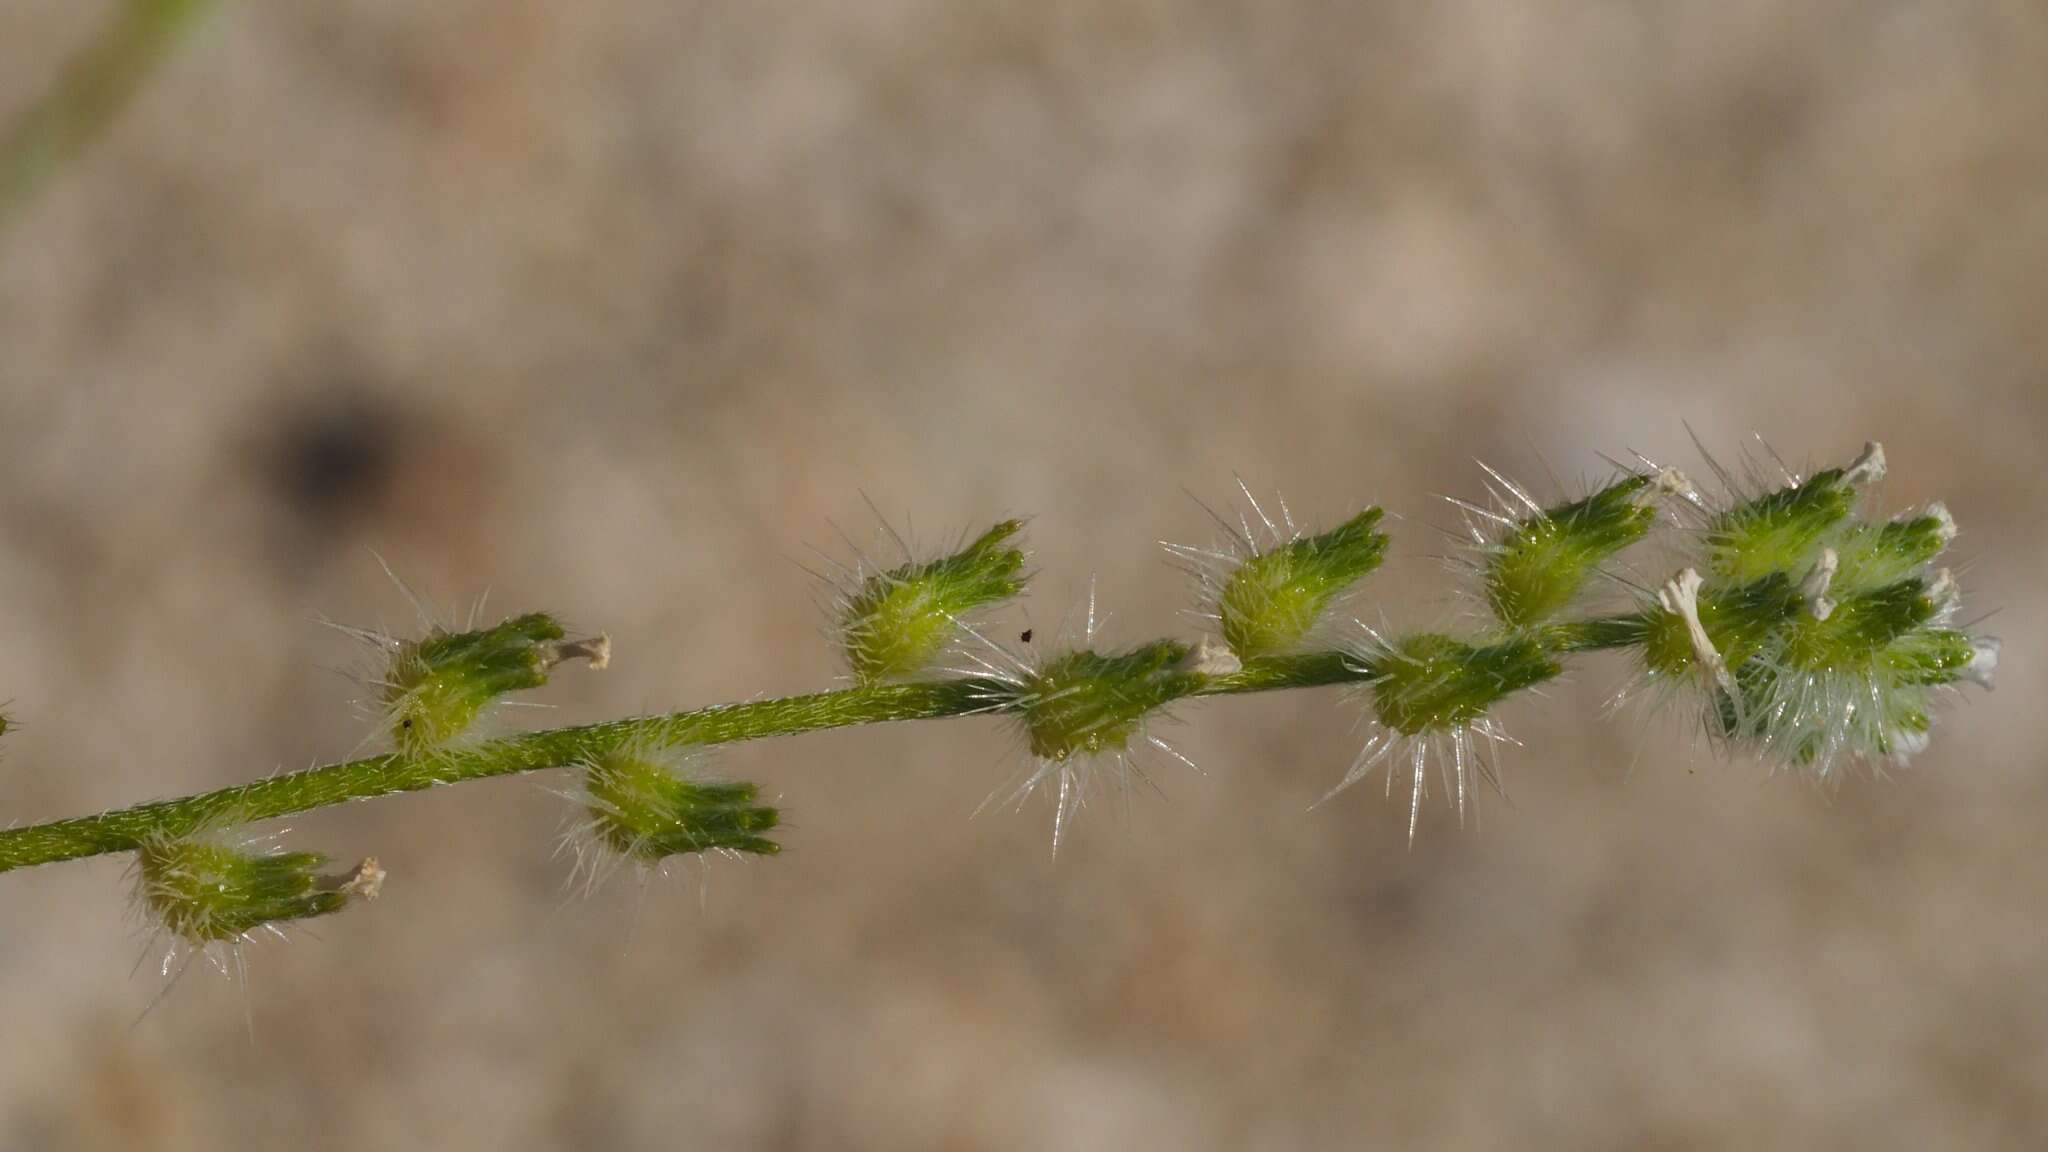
{"x": 203, "y": 891}
{"x": 1274, "y": 598}
{"x": 896, "y": 622}
{"x": 1781, "y": 531}
{"x": 641, "y": 809}
{"x": 1857, "y": 628}
{"x": 1932, "y": 656}
{"x": 1431, "y": 682}
{"x": 1085, "y": 701}
{"x": 1873, "y": 555}
{"x": 1537, "y": 567}
{"x": 438, "y": 685}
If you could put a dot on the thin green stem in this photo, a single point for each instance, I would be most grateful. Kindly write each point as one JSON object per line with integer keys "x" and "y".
{"x": 125, "y": 829}
{"x": 1598, "y": 634}
{"x": 1307, "y": 670}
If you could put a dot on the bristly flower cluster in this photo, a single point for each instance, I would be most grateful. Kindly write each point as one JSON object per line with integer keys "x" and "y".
{"x": 1817, "y": 634}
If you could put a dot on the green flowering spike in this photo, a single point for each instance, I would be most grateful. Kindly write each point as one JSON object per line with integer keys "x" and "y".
{"x": 436, "y": 686}
{"x": 1810, "y": 636}
{"x": 1782, "y": 531}
{"x": 1086, "y": 702}
{"x": 1431, "y": 682}
{"x": 641, "y": 810}
{"x": 1833, "y": 666}
{"x": 1537, "y": 567}
{"x": 204, "y": 892}
{"x": 894, "y": 624}
{"x": 1272, "y": 599}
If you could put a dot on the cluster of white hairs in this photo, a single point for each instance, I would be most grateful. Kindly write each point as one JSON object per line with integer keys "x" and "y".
{"x": 1802, "y": 627}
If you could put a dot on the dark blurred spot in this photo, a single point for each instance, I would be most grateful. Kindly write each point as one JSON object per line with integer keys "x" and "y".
{"x": 330, "y": 461}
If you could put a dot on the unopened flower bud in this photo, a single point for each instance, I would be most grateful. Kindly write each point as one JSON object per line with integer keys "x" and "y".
{"x": 438, "y": 685}
{"x": 202, "y": 891}
{"x": 894, "y": 624}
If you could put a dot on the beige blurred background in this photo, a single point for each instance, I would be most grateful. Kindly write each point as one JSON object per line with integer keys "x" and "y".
{"x": 616, "y": 308}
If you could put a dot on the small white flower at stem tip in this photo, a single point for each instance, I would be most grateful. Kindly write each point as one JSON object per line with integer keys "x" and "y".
{"x": 1906, "y": 743}
{"x": 1667, "y": 482}
{"x": 1814, "y": 589}
{"x": 1681, "y": 597}
{"x": 364, "y": 882}
{"x": 1946, "y": 533}
{"x": 1983, "y": 665}
{"x": 1944, "y": 593}
{"x": 1868, "y": 467}
{"x": 597, "y": 650}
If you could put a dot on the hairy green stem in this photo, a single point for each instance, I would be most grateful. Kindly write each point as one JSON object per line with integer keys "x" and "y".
{"x": 1599, "y": 634}
{"x": 125, "y": 829}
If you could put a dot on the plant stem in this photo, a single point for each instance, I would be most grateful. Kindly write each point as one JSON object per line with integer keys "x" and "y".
{"x": 125, "y": 829}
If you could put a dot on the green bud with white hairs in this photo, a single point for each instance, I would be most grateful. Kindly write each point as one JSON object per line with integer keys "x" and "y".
{"x": 204, "y": 892}
{"x": 1538, "y": 565}
{"x": 1086, "y": 702}
{"x": 1430, "y": 682}
{"x": 1269, "y": 587}
{"x": 894, "y": 624}
{"x": 1274, "y": 598}
{"x": 437, "y": 686}
{"x": 641, "y": 809}
{"x": 1781, "y": 530}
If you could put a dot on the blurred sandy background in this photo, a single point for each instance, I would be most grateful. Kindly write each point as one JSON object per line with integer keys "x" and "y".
{"x": 614, "y": 308}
